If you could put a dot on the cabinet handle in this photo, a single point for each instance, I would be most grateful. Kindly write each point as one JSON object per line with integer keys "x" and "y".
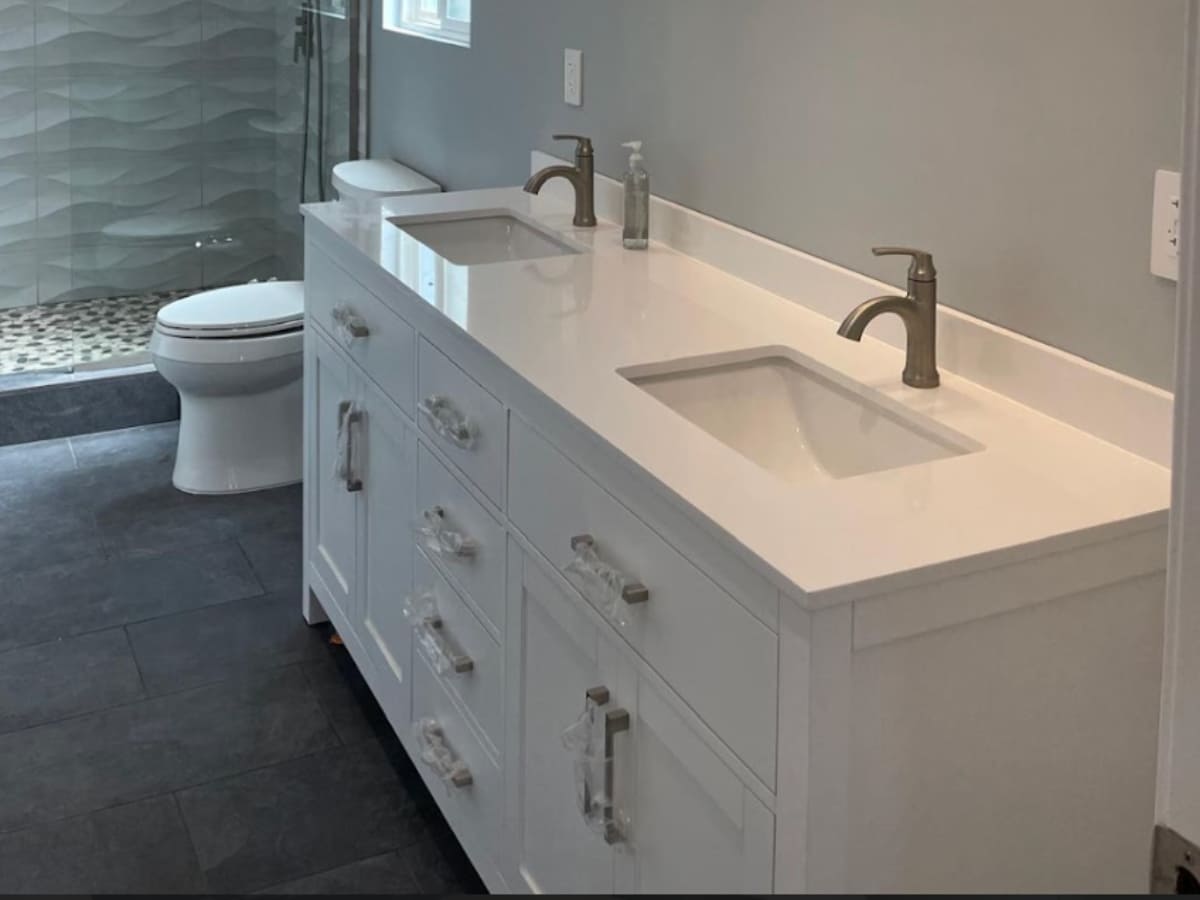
{"x": 448, "y": 421}
{"x": 446, "y": 660}
{"x": 608, "y": 586}
{"x": 349, "y": 420}
{"x": 436, "y": 754}
{"x": 420, "y": 610}
{"x": 350, "y": 325}
{"x": 593, "y": 740}
{"x": 445, "y": 542}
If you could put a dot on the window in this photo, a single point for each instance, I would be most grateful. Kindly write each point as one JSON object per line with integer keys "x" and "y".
{"x": 448, "y": 21}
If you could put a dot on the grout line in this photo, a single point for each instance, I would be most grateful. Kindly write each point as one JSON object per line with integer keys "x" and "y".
{"x": 136, "y": 663}
{"x": 393, "y": 852}
{"x": 150, "y": 698}
{"x": 191, "y": 839}
{"x": 177, "y": 789}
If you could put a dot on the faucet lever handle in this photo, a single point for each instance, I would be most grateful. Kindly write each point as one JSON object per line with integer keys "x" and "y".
{"x": 922, "y": 268}
{"x": 584, "y": 144}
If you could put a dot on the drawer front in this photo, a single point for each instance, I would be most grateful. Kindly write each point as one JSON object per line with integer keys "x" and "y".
{"x": 473, "y": 808}
{"x": 358, "y": 321}
{"x": 462, "y": 538}
{"x": 706, "y": 645}
{"x": 467, "y": 423}
{"x": 462, "y": 641}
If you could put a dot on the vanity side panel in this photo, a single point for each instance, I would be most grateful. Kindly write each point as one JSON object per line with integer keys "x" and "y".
{"x": 1016, "y": 751}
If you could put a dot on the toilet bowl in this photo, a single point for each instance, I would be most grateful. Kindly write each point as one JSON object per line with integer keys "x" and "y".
{"x": 236, "y": 356}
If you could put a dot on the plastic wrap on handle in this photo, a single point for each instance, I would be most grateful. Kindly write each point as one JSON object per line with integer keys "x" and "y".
{"x": 345, "y": 466}
{"x": 437, "y": 537}
{"x": 448, "y": 421}
{"x": 591, "y": 740}
{"x": 436, "y": 754}
{"x": 350, "y": 325}
{"x": 420, "y": 610}
{"x": 609, "y": 588}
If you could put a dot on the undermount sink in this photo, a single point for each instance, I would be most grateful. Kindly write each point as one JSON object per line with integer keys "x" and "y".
{"x": 483, "y": 237}
{"x": 795, "y": 419}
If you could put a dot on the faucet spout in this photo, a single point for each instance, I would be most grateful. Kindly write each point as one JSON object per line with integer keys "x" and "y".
{"x": 538, "y": 181}
{"x": 581, "y": 176}
{"x": 865, "y": 313}
{"x": 918, "y": 311}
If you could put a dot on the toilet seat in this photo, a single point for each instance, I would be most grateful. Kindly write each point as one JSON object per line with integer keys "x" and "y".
{"x": 242, "y": 311}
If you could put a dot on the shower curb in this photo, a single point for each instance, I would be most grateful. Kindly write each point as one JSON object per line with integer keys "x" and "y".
{"x": 43, "y": 407}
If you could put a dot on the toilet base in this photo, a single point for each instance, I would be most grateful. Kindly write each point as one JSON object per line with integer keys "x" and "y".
{"x": 239, "y": 444}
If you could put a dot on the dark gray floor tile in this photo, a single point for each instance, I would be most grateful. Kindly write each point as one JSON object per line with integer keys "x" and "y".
{"x": 65, "y": 678}
{"x": 211, "y": 644}
{"x": 89, "y": 596}
{"x": 30, "y": 462}
{"x": 300, "y": 818}
{"x": 277, "y": 558}
{"x": 336, "y": 697}
{"x": 147, "y": 446}
{"x": 384, "y": 875}
{"x": 441, "y": 867}
{"x": 142, "y": 848}
{"x": 150, "y": 518}
{"x": 42, "y": 532}
{"x": 154, "y": 746}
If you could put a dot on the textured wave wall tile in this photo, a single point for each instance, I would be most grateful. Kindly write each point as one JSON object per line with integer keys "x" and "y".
{"x": 116, "y": 110}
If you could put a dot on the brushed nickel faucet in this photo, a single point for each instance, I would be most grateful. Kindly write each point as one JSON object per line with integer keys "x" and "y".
{"x": 582, "y": 177}
{"x": 919, "y": 312}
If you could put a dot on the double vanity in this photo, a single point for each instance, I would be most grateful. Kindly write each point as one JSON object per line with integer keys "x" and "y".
{"x": 666, "y": 587}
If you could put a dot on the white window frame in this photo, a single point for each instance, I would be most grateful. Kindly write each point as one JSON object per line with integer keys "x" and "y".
{"x": 406, "y": 17}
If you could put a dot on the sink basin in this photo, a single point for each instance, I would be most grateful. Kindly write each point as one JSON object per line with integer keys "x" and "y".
{"x": 795, "y": 418}
{"x": 483, "y": 237}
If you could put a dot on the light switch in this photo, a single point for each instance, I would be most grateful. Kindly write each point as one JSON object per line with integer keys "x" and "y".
{"x": 1164, "y": 243}
{"x": 573, "y": 77}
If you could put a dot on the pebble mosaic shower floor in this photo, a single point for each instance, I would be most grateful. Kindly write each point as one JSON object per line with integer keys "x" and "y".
{"x": 66, "y": 336}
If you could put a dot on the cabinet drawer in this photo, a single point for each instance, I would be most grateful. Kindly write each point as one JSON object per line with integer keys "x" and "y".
{"x": 381, "y": 342}
{"x": 461, "y": 639}
{"x": 473, "y": 808}
{"x": 706, "y": 645}
{"x": 467, "y": 423}
{"x": 477, "y": 567}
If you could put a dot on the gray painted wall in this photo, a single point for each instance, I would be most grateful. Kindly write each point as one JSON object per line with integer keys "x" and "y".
{"x": 1017, "y": 139}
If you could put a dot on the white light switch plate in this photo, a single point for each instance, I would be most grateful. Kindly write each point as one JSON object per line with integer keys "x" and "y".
{"x": 1164, "y": 243}
{"x": 573, "y": 77}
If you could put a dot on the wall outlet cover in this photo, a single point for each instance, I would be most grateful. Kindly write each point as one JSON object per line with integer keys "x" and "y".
{"x": 573, "y": 77}
{"x": 1164, "y": 241}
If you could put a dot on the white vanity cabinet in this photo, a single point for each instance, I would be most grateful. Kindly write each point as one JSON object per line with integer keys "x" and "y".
{"x": 605, "y": 693}
{"x": 668, "y": 815}
{"x": 332, "y": 509}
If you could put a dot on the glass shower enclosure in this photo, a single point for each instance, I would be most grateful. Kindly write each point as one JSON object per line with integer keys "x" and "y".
{"x": 150, "y": 148}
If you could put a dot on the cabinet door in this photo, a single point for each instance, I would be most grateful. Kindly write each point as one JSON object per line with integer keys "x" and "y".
{"x": 695, "y": 828}
{"x": 564, "y": 657}
{"x": 388, "y": 465}
{"x": 330, "y": 489}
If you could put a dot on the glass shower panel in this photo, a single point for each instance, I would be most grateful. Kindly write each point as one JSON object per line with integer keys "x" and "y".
{"x": 120, "y": 127}
{"x": 155, "y": 147}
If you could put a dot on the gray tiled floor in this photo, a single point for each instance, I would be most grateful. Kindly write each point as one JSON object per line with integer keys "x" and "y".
{"x": 168, "y": 723}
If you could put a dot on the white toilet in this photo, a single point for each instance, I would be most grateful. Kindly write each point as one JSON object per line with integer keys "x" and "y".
{"x": 236, "y": 356}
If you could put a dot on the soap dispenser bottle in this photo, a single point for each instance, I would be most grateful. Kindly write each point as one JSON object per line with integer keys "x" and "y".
{"x": 637, "y": 200}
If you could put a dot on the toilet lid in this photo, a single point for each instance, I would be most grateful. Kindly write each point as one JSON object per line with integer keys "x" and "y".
{"x": 240, "y": 311}
{"x": 366, "y": 178}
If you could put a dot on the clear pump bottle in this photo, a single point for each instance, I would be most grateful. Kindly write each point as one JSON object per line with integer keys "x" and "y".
{"x": 637, "y": 200}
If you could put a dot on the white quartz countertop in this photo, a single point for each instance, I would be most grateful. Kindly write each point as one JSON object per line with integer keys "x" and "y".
{"x": 569, "y": 324}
